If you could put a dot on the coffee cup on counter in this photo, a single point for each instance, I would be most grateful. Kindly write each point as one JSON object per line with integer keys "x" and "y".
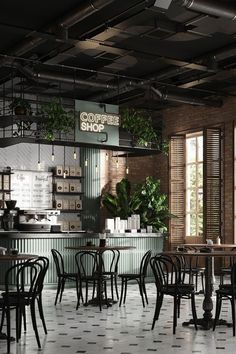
{"x": 102, "y": 242}
{"x": 14, "y": 251}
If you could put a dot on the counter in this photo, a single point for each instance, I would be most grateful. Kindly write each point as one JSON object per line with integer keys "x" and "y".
{"x": 42, "y": 243}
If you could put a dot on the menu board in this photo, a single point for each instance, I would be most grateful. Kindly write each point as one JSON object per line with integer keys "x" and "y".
{"x": 32, "y": 189}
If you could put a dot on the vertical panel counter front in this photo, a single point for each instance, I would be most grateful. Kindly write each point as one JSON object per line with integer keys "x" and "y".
{"x": 42, "y": 243}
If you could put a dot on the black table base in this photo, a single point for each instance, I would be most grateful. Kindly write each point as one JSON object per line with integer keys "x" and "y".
{"x": 207, "y": 324}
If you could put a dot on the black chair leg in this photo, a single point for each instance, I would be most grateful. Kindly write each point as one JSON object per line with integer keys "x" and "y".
{"x": 58, "y": 290}
{"x": 62, "y": 288}
{"x": 145, "y": 291}
{"x": 159, "y": 301}
{"x": 141, "y": 293}
{"x": 112, "y": 287}
{"x": 217, "y": 313}
{"x": 233, "y": 314}
{"x": 125, "y": 293}
{"x": 116, "y": 287}
{"x": 8, "y": 317}
{"x": 40, "y": 307}
{"x": 175, "y": 313}
{"x": 194, "y": 310}
{"x": 122, "y": 291}
{"x": 33, "y": 317}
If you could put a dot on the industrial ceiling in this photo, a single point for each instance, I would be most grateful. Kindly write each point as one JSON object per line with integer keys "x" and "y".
{"x": 145, "y": 54}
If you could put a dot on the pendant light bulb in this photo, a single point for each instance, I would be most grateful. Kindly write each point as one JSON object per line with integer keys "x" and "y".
{"x": 106, "y": 156}
{"x": 39, "y": 165}
{"x": 86, "y": 162}
{"x": 64, "y": 174}
{"x": 117, "y": 163}
{"x": 96, "y": 169}
{"x": 53, "y": 157}
{"x": 75, "y": 155}
{"x": 127, "y": 170}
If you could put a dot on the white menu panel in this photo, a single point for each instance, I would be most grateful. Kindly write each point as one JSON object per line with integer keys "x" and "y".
{"x": 32, "y": 189}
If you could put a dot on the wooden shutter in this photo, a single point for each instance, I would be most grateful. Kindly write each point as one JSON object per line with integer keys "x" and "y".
{"x": 177, "y": 189}
{"x": 212, "y": 183}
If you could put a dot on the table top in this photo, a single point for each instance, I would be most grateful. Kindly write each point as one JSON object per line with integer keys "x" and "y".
{"x": 98, "y": 248}
{"x": 18, "y": 257}
{"x": 197, "y": 245}
{"x": 202, "y": 254}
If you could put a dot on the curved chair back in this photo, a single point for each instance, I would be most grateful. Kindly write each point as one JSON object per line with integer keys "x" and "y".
{"x": 144, "y": 263}
{"x": 166, "y": 272}
{"x": 59, "y": 263}
{"x": 88, "y": 263}
{"x": 111, "y": 260}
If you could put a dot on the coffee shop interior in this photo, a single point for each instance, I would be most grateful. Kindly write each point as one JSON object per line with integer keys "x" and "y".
{"x": 117, "y": 148}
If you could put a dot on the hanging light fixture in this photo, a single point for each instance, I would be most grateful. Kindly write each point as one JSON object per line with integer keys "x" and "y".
{"x": 117, "y": 161}
{"x": 127, "y": 165}
{"x": 53, "y": 155}
{"x": 75, "y": 154}
{"x": 64, "y": 170}
{"x": 39, "y": 160}
{"x": 107, "y": 156}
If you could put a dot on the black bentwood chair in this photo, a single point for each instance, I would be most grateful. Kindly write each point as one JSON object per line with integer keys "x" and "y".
{"x": 138, "y": 277}
{"x": 111, "y": 262}
{"x": 90, "y": 266}
{"x": 28, "y": 282}
{"x": 226, "y": 292}
{"x": 169, "y": 281}
{"x": 62, "y": 275}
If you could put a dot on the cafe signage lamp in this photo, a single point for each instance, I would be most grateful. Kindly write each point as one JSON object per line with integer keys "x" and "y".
{"x": 39, "y": 162}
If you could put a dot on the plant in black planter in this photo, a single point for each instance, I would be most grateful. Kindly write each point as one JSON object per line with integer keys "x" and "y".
{"x": 20, "y": 106}
{"x": 56, "y": 119}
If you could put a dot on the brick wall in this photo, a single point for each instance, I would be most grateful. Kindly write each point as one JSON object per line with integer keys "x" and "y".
{"x": 185, "y": 118}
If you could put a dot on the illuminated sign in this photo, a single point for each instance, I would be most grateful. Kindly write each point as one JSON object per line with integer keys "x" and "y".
{"x": 96, "y": 122}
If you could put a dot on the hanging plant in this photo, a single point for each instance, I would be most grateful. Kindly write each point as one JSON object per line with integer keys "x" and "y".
{"x": 20, "y": 106}
{"x": 57, "y": 120}
{"x": 139, "y": 125}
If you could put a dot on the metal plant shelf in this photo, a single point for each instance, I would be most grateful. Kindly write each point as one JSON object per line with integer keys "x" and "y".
{"x": 16, "y": 129}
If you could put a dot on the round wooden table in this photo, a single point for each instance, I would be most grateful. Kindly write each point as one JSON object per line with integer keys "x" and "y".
{"x": 101, "y": 250}
{"x": 207, "y": 321}
{"x": 18, "y": 257}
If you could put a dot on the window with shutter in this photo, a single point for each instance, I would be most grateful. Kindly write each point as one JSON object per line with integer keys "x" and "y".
{"x": 196, "y": 185}
{"x": 177, "y": 189}
{"x": 212, "y": 185}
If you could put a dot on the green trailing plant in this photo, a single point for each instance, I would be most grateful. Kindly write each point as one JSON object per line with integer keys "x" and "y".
{"x": 145, "y": 200}
{"x": 139, "y": 124}
{"x": 20, "y": 106}
{"x": 57, "y": 119}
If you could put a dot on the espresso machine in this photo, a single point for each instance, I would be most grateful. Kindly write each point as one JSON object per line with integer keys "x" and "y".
{"x": 38, "y": 220}
{"x": 9, "y": 216}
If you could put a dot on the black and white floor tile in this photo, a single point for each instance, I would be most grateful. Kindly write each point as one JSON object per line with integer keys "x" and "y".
{"x": 121, "y": 330}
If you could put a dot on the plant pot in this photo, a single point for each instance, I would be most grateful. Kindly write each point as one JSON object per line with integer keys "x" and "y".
{"x": 19, "y": 111}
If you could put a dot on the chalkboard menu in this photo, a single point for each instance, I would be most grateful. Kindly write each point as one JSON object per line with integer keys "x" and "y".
{"x": 32, "y": 189}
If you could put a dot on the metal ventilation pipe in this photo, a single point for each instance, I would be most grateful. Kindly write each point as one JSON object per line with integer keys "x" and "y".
{"x": 195, "y": 101}
{"x": 217, "y": 8}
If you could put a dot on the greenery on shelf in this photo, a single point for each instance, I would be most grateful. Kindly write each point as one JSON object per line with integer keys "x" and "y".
{"x": 20, "y": 106}
{"x": 57, "y": 119}
{"x": 146, "y": 200}
{"x": 139, "y": 124}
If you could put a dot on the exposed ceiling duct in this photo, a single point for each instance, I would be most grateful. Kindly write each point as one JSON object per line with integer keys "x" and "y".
{"x": 215, "y": 8}
{"x": 174, "y": 97}
{"x": 80, "y": 13}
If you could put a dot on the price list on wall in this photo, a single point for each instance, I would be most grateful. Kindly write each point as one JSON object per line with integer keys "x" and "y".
{"x": 32, "y": 189}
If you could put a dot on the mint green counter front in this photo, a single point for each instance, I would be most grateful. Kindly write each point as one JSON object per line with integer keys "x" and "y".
{"x": 42, "y": 243}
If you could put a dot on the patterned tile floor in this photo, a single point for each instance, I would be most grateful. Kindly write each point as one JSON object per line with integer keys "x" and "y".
{"x": 124, "y": 330}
